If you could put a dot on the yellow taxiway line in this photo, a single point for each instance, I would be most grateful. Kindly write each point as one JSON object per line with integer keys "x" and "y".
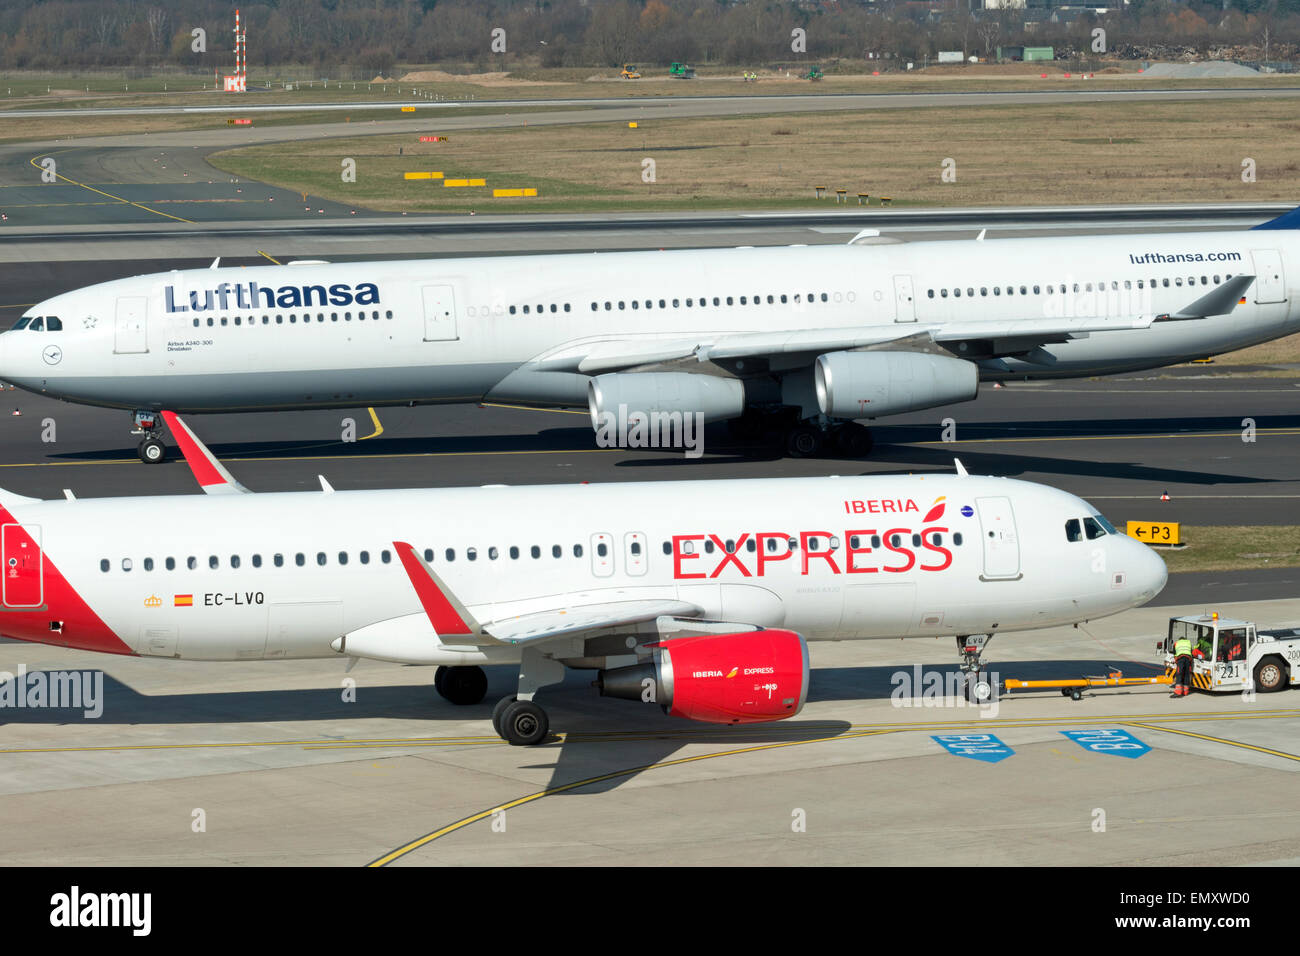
{"x": 66, "y": 179}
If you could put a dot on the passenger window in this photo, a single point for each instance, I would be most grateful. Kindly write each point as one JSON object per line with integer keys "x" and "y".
{"x": 192, "y": 562}
{"x": 234, "y": 560}
{"x": 428, "y": 555}
{"x": 171, "y": 564}
{"x": 535, "y": 551}
{"x": 300, "y": 559}
{"x": 471, "y": 554}
{"x": 1073, "y": 531}
{"x": 577, "y": 550}
{"x": 214, "y": 562}
{"x": 556, "y": 551}
{"x": 278, "y": 560}
{"x": 450, "y": 554}
{"x": 257, "y": 560}
{"x": 514, "y": 553}
{"x": 386, "y": 556}
{"x": 103, "y": 565}
{"x": 956, "y": 538}
{"x": 364, "y": 557}
{"x": 320, "y": 558}
{"x": 343, "y": 557}
{"x": 601, "y": 549}
{"x": 148, "y": 564}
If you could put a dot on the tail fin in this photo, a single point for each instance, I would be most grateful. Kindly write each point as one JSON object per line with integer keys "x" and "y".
{"x": 1288, "y": 220}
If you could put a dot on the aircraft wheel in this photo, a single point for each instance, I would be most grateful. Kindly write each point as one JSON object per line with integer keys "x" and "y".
{"x": 152, "y": 451}
{"x": 854, "y": 440}
{"x": 438, "y": 676}
{"x": 1076, "y": 694}
{"x": 499, "y": 710}
{"x": 524, "y": 724}
{"x": 978, "y": 690}
{"x": 464, "y": 685}
{"x": 805, "y": 441}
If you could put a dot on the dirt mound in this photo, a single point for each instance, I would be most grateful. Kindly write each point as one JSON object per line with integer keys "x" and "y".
{"x": 479, "y": 79}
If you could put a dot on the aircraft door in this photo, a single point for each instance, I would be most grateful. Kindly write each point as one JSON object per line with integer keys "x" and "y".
{"x": 24, "y": 579}
{"x": 131, "y": 327}
{"x": 1269, "y": 282}
{"x": 904, "y": 305}
{"x": 439, "y": 313}
{"x": 602, "y": 555}
{"x": 1001, "y": 543}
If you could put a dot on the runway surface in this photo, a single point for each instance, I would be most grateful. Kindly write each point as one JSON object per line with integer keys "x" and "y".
{"x": 284, "y": 771}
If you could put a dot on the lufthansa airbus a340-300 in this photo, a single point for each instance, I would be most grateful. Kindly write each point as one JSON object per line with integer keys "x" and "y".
{"x": 698, "y": 596}
{"x": 802, "y": 341}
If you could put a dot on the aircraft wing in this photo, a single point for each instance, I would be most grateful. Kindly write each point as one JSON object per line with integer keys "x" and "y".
{"x": 447, "y": 623}
{"x": 1016, "y": 336}
{"x": 451, "y": 619}
{"x": 208, "y": 472}
{"x": 543, "y": 625}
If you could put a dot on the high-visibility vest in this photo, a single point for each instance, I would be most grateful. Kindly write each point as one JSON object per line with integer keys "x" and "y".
{"x": 1182, "y": 647}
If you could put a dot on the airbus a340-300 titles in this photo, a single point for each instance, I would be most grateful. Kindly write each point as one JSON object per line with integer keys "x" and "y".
{"x": 699, "y": 596}
{"x": 803, "y": 341}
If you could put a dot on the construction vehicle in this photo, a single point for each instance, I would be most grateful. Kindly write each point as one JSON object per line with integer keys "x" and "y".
{"x": 681, "y": 71}
{"x": 814, "y": 73}
{"x": 630, "y": 72}
{"x": 1232, "y": 655}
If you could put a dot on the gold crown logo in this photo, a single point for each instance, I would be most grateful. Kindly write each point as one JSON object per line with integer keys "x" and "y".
{"x": 153, "y": 600}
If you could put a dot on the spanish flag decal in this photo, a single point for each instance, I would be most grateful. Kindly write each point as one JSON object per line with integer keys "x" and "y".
{"x": 184, "y": 600}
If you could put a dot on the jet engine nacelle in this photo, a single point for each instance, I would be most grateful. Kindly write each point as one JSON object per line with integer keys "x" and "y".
{"x": 648, "y": 393}
{"x": 744, "y": 678}
{"x": 871, "y": 384}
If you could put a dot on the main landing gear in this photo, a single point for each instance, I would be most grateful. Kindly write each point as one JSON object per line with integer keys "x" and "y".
{"x": 518, "y": 719}
{"x": 807, "y": 438}
{"x": 979, "y": 689}
{"x": 152, "y": 449}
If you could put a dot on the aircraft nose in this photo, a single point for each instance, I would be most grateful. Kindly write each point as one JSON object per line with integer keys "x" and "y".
{"x": 1148, "y": 573}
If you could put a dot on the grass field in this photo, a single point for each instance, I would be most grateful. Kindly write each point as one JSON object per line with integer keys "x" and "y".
{"x": 1108, "y": 152}
{"x": 43, "y": 90}
{"x": 1235, "y": 548}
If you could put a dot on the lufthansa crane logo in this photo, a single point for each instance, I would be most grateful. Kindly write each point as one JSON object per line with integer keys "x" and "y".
{"x": 53, "y": 355}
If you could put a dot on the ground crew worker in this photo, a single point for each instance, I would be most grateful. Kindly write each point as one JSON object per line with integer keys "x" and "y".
{"x": 1183, "y": 667}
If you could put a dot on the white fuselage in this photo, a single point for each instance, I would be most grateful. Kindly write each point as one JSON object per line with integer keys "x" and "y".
{"x": 241, "y": 577}
{"x": 464, "y": 330}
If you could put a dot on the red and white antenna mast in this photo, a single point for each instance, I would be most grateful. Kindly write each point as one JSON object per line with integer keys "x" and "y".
{"x": 241, "y": 57}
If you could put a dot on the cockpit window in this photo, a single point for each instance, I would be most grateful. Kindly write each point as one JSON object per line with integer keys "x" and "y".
{"x": 53, "y": 324}
{"x": 21, "y": 323}
{"x": 1101, "y": 520}
{"x": 1072, "y": 530}
{"x": 1093, "y": 529}
{"x": 38, "y": 324}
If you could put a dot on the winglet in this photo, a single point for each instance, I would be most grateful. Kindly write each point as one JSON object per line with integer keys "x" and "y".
{"x": 447, "y": 615}
{"x": 961, "y": 469}
{"x": 208, "y": 472}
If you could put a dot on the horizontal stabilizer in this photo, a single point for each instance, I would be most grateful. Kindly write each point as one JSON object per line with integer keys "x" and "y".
{"x": 208, "y": 472}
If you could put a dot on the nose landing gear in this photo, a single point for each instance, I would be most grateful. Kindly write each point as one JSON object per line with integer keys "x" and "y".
{"x": 152, "y": 449}
{"x": 979, "y": 689}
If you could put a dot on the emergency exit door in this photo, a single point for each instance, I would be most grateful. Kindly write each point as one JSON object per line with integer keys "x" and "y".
{"x": 1001, "y": 543}
{"x": 131, "y": 326}
{"x": 904, "y": 304}
{"x": 24, "y": 584}
{"x": 439, "y": 313}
